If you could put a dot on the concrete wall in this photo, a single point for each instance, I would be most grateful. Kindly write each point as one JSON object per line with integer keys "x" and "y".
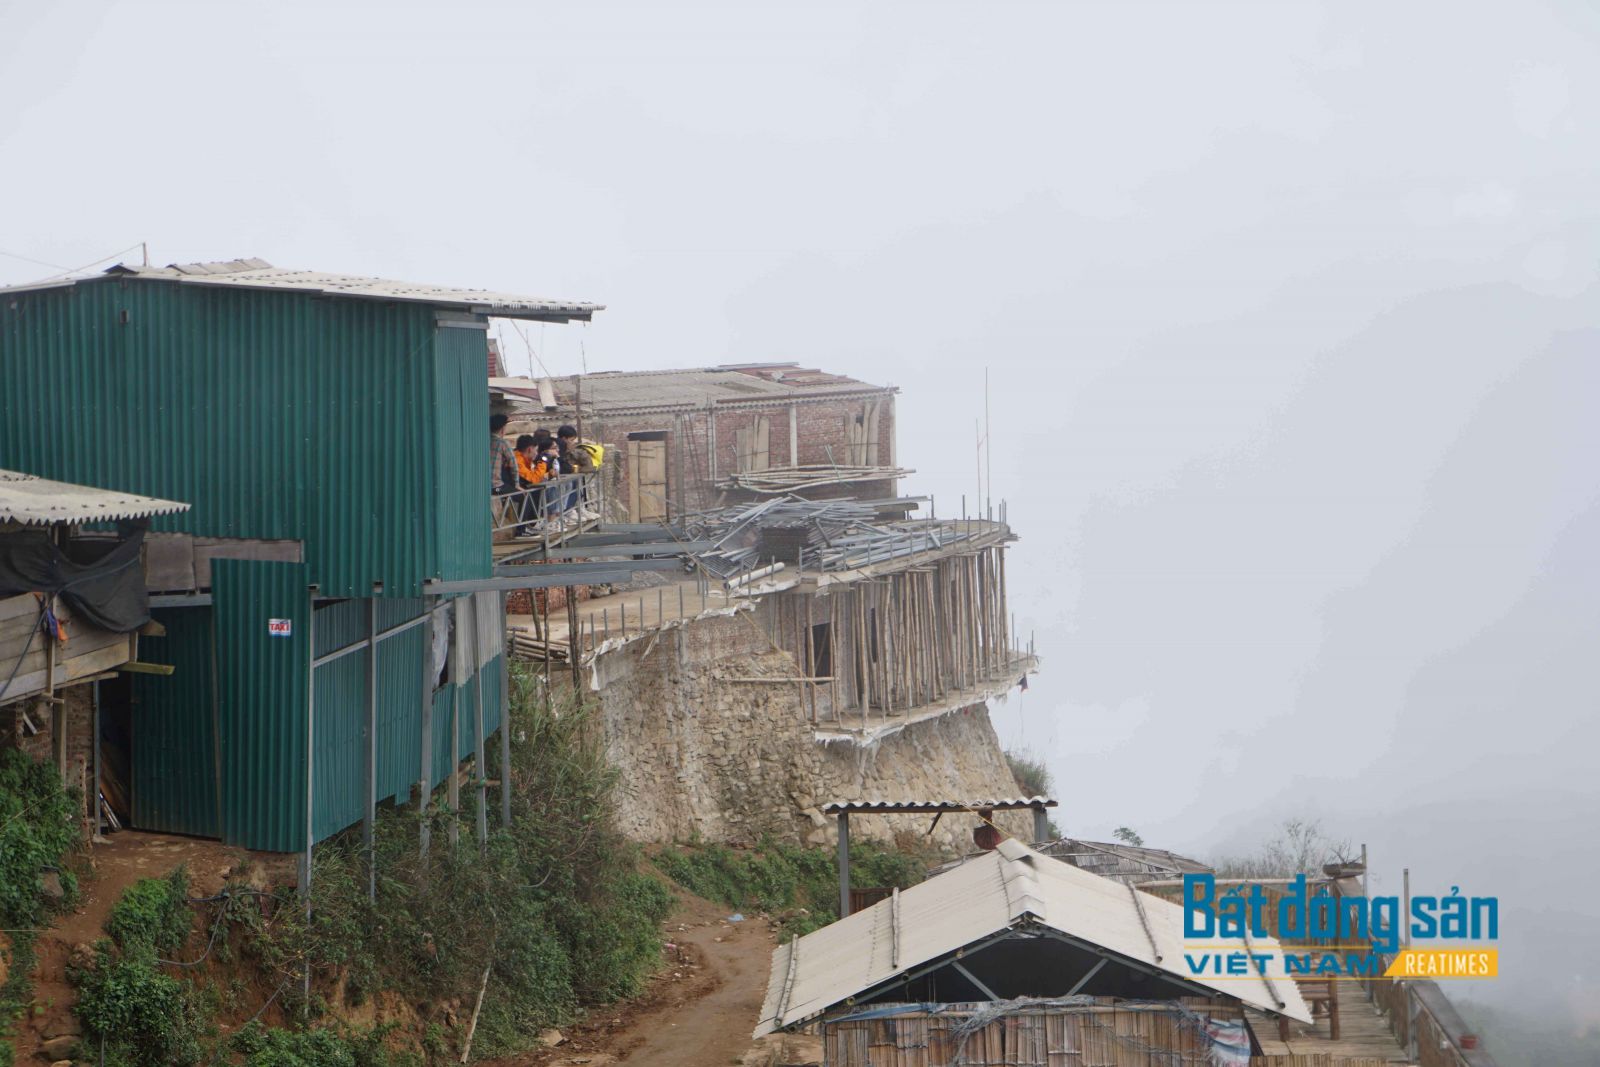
{"x": 704, "y": 755}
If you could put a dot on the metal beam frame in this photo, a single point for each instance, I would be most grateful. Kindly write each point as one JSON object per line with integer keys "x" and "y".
{"x": 1090, "y": 973}
{"x": 553, "y": 576}
{"x": 568, "y": 550}
{"x": 957, "y": 965}
{"x": 181, "y": 600}
{"x": 374, "y": 638}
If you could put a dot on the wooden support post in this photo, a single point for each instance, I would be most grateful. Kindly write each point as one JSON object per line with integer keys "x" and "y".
{"x": 94, "y": 785}
{"x": 369, "y": 754}
{"x": 574, "y": 643}
{"x": 811, "y": 659}
{"x": 844, "y": 864}
{"x": 425, "y": 775}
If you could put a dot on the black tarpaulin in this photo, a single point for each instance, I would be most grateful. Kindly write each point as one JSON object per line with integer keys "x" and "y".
{"x": 100, "y": 579}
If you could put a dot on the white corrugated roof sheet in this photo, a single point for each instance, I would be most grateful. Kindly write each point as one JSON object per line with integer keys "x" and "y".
{"x": 1013, "y": 886}
{"x": 612, "y": 392}
{"x": 34, "y": 501}
{"x": 259, "y": 274}
{"x": 868, "y": 807}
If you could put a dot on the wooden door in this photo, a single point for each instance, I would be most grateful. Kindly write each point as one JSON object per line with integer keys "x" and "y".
{"x": 647, "y": 482}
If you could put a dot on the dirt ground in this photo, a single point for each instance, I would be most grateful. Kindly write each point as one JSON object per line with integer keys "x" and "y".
{"x": 105, "y": 872}
{"x": 698, "y": 1011}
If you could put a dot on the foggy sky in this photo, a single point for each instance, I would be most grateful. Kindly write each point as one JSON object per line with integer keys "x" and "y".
{"x": 1288, "y": 311}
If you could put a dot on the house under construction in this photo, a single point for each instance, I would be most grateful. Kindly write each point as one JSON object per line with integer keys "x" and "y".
{"x": 828, "y": 613}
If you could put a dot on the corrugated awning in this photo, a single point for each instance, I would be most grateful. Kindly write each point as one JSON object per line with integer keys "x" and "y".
{"x": 1013, "y": 889}
{"x": 919, "y": 807}
{"x": 34, "y": 501}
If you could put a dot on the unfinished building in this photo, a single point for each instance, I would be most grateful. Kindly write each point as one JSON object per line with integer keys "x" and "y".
{"x": 820, "y": 650}
{"x": 685, "y": 439}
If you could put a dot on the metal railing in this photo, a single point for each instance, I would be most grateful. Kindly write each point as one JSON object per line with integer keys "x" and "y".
{"x": 550, "y": 509}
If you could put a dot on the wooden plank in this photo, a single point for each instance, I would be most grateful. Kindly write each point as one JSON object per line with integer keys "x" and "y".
{"x": 169, "y": 562}
{"x": 29, "y": 681}
{"x": 207, "y": 549}
{"x": 21, "y": 606}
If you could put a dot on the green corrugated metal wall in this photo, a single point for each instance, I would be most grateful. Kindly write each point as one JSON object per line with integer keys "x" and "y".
{"x": 262, "y": 686}
{"x": 263, "y": 728}
{"x": 463, "y": 415}
{"x": 357, "y": 426}
{"x": 174, "y": 737}
{"x": 464, "y": 698}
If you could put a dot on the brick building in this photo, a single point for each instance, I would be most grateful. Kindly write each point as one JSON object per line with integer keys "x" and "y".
{"x": 681, "y": 440}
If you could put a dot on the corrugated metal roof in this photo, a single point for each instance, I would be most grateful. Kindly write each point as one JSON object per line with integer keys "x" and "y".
{"x": 1132, "y": 864}
{"x": 259, "y": 274}
{"x": 614, "y": 391}
{"x": 1011, "y": 887}
{"x": 904, "y": 807}
{"x": 35, "y": 501}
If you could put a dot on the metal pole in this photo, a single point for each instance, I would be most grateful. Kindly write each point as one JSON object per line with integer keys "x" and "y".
{"x": 844, "y": 864}
{"x": 311, "y": 738}
{"x": 505, "y": 722}
{"x": 370, "y": 755}
{"x": 453, "y": 791}
{"x": 1405, "y": 911}
{"x": 477, "y": 728}
{"x": 425, "y": 778}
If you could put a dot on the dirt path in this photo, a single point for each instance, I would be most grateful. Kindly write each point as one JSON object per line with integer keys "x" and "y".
{"x": 698, "y": 1011}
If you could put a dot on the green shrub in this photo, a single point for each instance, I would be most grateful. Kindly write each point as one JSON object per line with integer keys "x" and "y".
{"x": 146, "y": 1018}
{"x": 318, "y": 1047}
{"x": 38, "y": 830}
{"x": 558, "y": 904}
{"x": 153, "y": 913}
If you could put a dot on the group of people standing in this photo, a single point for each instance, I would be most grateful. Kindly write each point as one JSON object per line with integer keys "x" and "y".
{"x": 532, "y": 468}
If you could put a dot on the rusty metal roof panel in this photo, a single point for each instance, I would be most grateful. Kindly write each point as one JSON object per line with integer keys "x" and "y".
{"x": 34, "y": 501}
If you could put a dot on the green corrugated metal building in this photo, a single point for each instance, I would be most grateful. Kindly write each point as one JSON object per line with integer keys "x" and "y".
{"x": 347, "y": 414}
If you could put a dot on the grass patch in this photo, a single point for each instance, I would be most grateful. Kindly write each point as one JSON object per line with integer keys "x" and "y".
{"x": 798, "y": 887}
{"x": 1032, "y": 776}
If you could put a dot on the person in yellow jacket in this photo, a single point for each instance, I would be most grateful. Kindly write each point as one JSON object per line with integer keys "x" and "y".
{"x": 583, "y": 457}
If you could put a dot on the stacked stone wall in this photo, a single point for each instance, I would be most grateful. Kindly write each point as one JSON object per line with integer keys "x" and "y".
{"x": 709, "y": 753}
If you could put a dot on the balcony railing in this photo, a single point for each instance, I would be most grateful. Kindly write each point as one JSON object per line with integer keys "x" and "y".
{"x": 549, "y": 511}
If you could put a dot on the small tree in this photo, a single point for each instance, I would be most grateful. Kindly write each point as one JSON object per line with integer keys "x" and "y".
{"x": 1128, "y": 836}
{"x": 1300, "y": 847}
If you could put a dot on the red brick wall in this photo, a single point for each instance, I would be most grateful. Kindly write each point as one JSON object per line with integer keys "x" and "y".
{"x": 78, "y": 716}
{"x": 820, "y": 426}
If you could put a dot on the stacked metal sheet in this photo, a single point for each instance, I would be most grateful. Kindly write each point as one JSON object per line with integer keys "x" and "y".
{"x": 821, "y": 535}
